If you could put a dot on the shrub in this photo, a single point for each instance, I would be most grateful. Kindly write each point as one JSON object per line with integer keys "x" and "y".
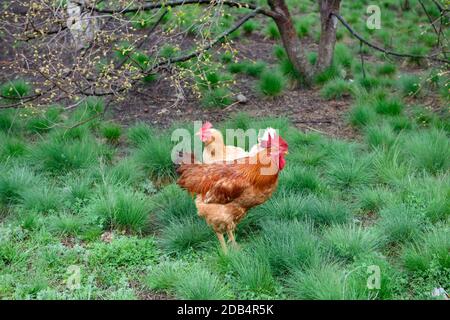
{"x": 271, "y": 83}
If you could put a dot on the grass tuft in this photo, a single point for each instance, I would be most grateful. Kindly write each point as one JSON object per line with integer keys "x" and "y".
{"x": 271, "y": 83}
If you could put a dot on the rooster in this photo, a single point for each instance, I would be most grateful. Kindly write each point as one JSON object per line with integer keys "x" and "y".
{"x": 226, "y": 191}
{"x": 215, "y": 148}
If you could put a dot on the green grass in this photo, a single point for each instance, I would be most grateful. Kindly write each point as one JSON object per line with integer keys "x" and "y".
{"x": 429, "y": 251}
{"x": 56, "y": 155}
{"x": 325, "y": 281}
{"x": 46, "y": 121}
{"x": 165, "y": 275}
{"x": 200, "y": 284}
{"x": 390, "y": 107}
{"x": 361, "y": 115}
{"x": 216, "y": 98}
{"x": 14, "y": 183}
{"x": 348, "y": 242}
{"x": 271, "y": 31}
{"x": 76, "y": 190}
{"x": 139, "y": 133}
{"x": 380, "y": 135}
{"x": 185, "y": 234}
{"x": 120, "y": 208}
{"x": 271, "y": 84}
{"x": 255, "y": 69}
{"x": 336, "y": 89}
{"x": 400, "y": 224}
{"x": 345, "y": 170}
{"x": 372, "y": 199}
{"x": 297, "y": 179}
{"x": 250, "y": 26}
{"x": 386, "y": 69}
{"x": 41, "y": 199}
{"x": 15, "y": 89}
{"x": 428, "y": 151}
{"x": 253, "y": 272}
{"x": 287, "y": 244}
{"x": 154, "y": 156}
{"x": 111, "y": 132}
{"x": 409, "y": 85}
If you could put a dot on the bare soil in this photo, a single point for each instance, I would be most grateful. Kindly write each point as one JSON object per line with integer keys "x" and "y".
{"x": 161, "y": 105}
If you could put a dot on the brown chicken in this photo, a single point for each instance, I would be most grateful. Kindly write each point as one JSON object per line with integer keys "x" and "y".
{"x": 226, "y": 191}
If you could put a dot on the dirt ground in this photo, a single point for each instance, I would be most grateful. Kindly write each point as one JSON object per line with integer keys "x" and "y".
{"x": 160, "y": 105}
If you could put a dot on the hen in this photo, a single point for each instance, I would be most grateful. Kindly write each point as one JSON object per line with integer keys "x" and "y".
{"x": 226, "y": 191}
{"x": 215, "y": 148}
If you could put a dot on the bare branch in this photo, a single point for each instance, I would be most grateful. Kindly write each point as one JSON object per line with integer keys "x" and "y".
{"x": 388, "y": 52}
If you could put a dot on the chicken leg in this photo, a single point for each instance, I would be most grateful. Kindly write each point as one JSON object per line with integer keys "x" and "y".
{"x": 232, "y": 239}
{"x": 222, "y": 242}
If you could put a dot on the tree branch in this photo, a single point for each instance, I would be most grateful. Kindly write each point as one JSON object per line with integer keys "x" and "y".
{"x": 176, "y": 3}
{"x": 388, "y": 52}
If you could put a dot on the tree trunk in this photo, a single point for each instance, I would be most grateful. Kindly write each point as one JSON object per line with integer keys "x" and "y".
{"x": 292, "y": 44}
{"x": 328, "y": 33}
{"x": 406, "y": 5}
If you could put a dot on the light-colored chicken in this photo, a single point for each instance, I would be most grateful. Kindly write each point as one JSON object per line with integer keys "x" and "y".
{"x": 215, "y": 148}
